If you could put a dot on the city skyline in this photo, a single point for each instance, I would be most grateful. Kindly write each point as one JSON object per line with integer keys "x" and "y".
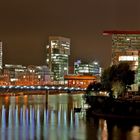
{"x": 26, "y": 26}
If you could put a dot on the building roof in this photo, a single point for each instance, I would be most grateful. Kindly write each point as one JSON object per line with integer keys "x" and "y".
{"x": 110, "y": 32}
{"x": 59, "y": 38}
{"x": 79, "y": 77}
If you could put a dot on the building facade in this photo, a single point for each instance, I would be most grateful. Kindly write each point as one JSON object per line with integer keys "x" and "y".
{"x": 58, "y": 52}
{"x": 79, "y": 81}
{"x": 126, "y": 48}
{"x": 22, "y": 75}
{"x": 87, "y": 68}
{"x": 13, "y": 73}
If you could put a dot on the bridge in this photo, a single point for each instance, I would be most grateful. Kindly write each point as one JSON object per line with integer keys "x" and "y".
{"x": 41, "y": 89}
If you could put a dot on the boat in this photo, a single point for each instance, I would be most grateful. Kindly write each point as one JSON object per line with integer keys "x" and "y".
{"x": 111, "y": 108}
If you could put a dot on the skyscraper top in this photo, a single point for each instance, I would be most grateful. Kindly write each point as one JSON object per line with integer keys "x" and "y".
{"x": 59, "y": 37}
{"x": 110, "y": 32}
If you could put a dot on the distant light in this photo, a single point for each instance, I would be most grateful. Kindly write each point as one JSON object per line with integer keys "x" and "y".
{"x": 78, "y": 88}
{"x": 128, "y": 39}
{"x": 65, "y": 68}
{"x": 39, "y": 87}
{"x": 47, "y": 46}
{"x": 4, "y": 86}
{"x": 32, "y": 87}
{"x": 71, "y": 88}
{"x": 59, "y": 87}
{"x": 96, "y": 63}
{"x": 53, "y": 87}
{"x": 66, "y": 88}
{"x": 46, "y": 87}
{"x": 39, "y": 76}
{"x": 17, "y": 86}
{"x": 10, "y": 86}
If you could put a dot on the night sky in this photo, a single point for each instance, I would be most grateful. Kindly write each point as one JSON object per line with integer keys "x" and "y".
{"x": 26, "y": 25}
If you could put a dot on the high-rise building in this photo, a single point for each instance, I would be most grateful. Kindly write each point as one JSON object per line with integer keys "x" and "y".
{"x": 126, "y": 48}
{"x": 1, "y": 53}
{"x": 58, "y": 52}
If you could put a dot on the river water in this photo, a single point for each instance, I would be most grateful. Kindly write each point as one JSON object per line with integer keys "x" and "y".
{"x": 40, "y": 117}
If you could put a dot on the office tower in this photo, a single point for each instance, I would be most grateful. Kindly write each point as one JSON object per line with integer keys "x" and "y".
{"x": 126, "y": 48}
{"x": 58, "y": 52}
{"x": 1, "y": 53}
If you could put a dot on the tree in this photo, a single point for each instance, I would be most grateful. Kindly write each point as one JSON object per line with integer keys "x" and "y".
{"x": 105, "y": 79}
{"x": 95, "y": 86}
{"x": 117, "y": 76}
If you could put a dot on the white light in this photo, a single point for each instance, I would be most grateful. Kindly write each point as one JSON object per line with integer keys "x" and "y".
{"x": 32, "y": 87}
{"x": 128, "y": 58}
{"x": 66, "y": 88}
{"x": 72, "y": 88}
{"x": 65, "y": 68}
{"x": 95, "y": 63}
{"x": 46, "y": 87}
{"x": 10, "y": 86}
{"x": 39, "y": 76}
{"x": 39, "y": 87}
{"x": 24, "y": 86}
{"x": 47, "y": 46}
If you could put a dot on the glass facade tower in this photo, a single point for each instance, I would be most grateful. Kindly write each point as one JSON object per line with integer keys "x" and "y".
{"x": 87, "y": 68}
{"x": 126, "y": 48}
{"x": 58, "y": 52}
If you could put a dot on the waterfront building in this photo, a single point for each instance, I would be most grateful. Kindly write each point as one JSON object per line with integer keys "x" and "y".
{"x": 44, "y": 75}
{"x": 30, "y": 75}
{"x": 58, "y": 52}
{"x": 126, "y": 48}
{"x": 79, "y": 81}
{"x": 92, "y": 68}
{"x": 13, "y": 72}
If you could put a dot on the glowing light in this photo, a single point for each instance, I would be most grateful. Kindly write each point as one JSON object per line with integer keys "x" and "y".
{"x": 128, "y": 39}
{"x": 128, "y": 58}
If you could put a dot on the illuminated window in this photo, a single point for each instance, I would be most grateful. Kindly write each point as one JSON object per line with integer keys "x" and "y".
{"x": 47, "y": 46}
{"x": 128, "y": 58}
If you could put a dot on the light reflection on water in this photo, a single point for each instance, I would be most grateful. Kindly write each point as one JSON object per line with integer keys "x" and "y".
{"x": 37, "y": 117}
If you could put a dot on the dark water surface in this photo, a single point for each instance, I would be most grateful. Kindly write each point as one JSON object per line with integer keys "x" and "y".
{"x": 37, "y": 117}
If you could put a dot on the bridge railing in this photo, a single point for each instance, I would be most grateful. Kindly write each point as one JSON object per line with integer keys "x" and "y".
{"x": 64, "y": 88}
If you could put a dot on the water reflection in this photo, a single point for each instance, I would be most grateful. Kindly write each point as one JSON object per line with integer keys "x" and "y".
{"x": 32, "y": 117}
{"x": 52, "y": 118}
{"x": 102, "y": 130}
